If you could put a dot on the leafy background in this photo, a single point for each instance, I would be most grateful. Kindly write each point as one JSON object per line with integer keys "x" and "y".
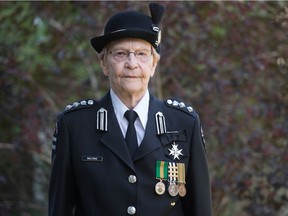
{"x": 228, "y": 59}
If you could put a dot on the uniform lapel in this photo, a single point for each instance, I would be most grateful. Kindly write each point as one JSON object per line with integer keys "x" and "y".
{"x": 150, "y": 141}
{"x": 113, "y": 138}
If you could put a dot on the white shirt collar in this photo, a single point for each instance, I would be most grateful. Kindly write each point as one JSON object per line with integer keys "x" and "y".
{"x": 141, "y": 108}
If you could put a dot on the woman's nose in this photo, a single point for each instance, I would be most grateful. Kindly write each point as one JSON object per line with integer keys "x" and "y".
{"x": 131, "y": 60}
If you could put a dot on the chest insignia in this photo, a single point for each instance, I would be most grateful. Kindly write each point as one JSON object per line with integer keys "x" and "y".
{"x": 174, "y": 174}
{"x": 175, "y": 152}
{"x": 102, "y": 123}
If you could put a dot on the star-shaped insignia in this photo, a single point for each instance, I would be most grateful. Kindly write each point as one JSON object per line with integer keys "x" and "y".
{"x": 175, "y": 151}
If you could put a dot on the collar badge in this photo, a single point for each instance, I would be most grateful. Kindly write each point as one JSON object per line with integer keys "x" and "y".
{"x": 102, "y": 123}
{"x": 160, "y": 123}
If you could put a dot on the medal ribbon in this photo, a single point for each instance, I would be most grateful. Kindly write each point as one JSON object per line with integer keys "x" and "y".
{"x": 173, "y": 172}
{"x": 181, "y": 173}
{"x": 161, "y": 170}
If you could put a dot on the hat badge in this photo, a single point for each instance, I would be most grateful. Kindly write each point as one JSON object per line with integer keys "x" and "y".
{"x": 158, "y": 41}
{"x": 157, "y": 29}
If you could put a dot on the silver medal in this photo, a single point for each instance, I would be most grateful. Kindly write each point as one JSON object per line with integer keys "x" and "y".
{"x": 173, "y": 189}
{"x": 160, "y": 188}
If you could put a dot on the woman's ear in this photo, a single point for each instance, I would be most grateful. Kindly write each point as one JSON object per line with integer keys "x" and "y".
{"x": 104, "y": 67}
{"x": 153, "y": 71}
{"x": 156, "y": 58}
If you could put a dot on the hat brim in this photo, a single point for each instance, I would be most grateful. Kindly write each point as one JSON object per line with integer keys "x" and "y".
{"x": 98, "y": 43}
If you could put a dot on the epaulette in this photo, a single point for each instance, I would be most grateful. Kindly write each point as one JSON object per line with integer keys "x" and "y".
{"x": 179, "y": 105}
{"x": 79, "y": 105}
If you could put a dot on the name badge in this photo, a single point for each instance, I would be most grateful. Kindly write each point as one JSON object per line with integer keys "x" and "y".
{"x": 92, "y": 158}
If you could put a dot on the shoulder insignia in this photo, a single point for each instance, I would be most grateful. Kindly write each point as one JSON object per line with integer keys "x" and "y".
{"x": 203, "y": 139}
{"x": 79, "y": 105}
{"x": 179, "y": 105}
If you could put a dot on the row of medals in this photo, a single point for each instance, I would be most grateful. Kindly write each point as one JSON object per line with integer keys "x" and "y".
{"x": 173, "y": 188}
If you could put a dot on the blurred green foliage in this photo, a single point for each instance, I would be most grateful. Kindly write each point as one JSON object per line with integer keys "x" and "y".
{"x": 229, "y": 59}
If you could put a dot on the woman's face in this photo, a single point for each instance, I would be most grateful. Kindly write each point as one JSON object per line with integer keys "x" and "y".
{"x": 129, "y": 76}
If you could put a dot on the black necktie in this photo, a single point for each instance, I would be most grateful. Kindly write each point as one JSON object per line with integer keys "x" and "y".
{"x": 131, "y": 137}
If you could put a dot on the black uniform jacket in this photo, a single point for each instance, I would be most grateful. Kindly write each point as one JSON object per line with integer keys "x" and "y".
{"x": 93, "y": 174}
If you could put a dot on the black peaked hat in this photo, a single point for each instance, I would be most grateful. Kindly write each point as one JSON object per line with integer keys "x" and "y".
{"x": 132, "y": 24}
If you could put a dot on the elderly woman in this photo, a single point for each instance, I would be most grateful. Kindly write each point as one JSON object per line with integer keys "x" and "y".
{"x": 129, "y": 153}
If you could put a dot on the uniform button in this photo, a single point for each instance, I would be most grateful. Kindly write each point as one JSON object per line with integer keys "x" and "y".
{"x": 131, "y": 210}
{"x": 181, "y": 104}
{"x": 83, "y": 102}
{"x": 76, "y": 104}
{"x": 132, "y": 179}
{"x": 175, "y": 103}
{"x": 190, "y": 109}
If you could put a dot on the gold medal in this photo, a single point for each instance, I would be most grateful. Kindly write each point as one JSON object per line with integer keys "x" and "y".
{"x": 160, "y": 188}
{"x": 182, "y": 190}
{"x": 181, "y": 179}
{"x": 173, "y": 189}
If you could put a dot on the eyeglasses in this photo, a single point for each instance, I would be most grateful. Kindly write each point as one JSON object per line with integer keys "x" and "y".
{"x": 122, "y": 55}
